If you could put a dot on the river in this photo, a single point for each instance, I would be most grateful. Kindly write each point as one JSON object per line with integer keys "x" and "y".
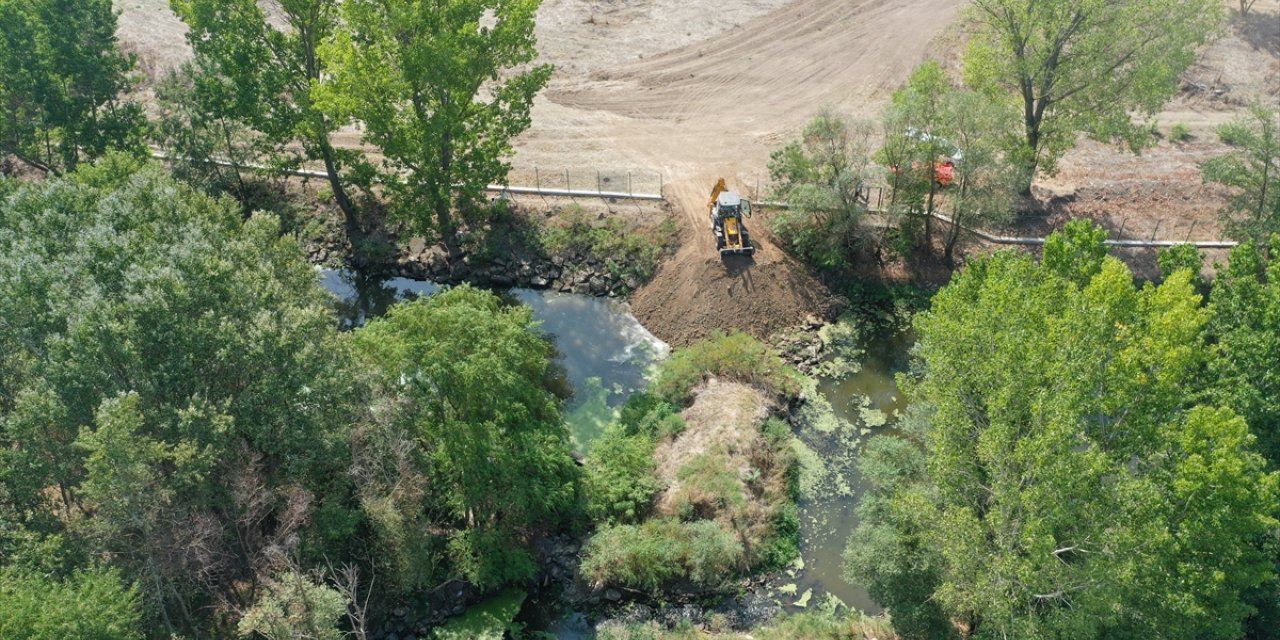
{"x": 606, "y": 355}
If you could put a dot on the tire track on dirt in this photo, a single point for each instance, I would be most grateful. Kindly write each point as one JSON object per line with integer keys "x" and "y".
{"x": 702, "y": 105}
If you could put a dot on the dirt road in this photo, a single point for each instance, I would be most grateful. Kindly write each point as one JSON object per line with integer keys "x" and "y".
{"x": 717, "y": 107}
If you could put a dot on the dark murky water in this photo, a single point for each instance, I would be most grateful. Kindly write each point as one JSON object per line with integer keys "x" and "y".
{"x": 869, "y": 401}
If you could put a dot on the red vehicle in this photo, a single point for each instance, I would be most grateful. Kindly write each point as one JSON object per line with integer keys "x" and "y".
{"x": 944, "y": 172}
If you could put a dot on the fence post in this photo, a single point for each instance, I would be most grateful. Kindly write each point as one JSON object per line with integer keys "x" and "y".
{"x": 1156, "y": 230}
{"x": 629, "y": 191}
{"x": 1193, "y": 228}
{"x": 599, "y": 189}
{"x": 537, "y": 179}
{"x": 659, "y": 183}
{"x": 567, "y": 185}
{"x": 1120, "y": 234}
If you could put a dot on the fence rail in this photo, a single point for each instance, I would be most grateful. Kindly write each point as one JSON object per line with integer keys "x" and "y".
{"x": 630, "y": 184}
{"x": 873, "y": 198}
{"x": 590, "y": 183}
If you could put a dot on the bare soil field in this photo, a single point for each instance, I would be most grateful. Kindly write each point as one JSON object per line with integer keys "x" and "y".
{"x": 1160, "y": 194}
{"x": 696, "y": 89}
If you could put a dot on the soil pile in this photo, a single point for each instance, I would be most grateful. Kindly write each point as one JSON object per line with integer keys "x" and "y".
{"x": 697, "y": 292}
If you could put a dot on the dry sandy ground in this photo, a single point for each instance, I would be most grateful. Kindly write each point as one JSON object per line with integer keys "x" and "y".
{"x": 696, "y": 89}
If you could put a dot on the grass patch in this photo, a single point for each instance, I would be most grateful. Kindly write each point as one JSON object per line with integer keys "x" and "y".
{"x": 1180, "y": 132}
{"x": 652, "y": 554}
{"x": 736, "y": 356}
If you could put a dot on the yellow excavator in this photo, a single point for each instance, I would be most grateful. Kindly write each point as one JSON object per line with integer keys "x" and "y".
{"x": 727, "y": 209}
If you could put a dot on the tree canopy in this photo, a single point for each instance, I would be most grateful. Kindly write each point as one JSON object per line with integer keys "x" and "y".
{"x": 174, "y": 376}
{"x": 250, "y": 70}
{"x": 61, "y": 76}
{"x": 441, "y": 87}
{"x": 1067, "y": 485}
{"x": 473, "y": 410}
{"x": 1083, "y": 66}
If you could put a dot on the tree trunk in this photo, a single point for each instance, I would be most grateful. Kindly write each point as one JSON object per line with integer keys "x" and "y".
{"x": 443, "y": 199}
{"x": 350, "y": 222}
{"x": 1032, "y": 115}
{"x": 928, "y": 211}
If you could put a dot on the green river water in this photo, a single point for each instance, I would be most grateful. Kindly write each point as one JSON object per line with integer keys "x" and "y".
{"x": 605, "y": 355}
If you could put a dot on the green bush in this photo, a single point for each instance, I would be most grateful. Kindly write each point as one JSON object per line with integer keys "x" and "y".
{"x": 620, "y": 483}
{"x": 1180, "y": 132}
{"x": 1182, "y": 256}
{"x": 648, "y": 414}
{"x": 90, "y": 605}
{"x": 736, "y": 356}
{"x": 657, "y": 552}
{"x": 783, "y": 544}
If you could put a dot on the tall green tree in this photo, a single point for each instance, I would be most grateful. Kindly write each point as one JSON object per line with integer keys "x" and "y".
{"x": 262, "y": 70}
{"x": 984, "y": 176}
{"x": 441, "y": 87}
{"x": 1083, "y": 66}
{"x": 471, "y": 381}
{"x": 915, "y": 143}
{"x": 1246, "y": 328}
{"x": 61, "y": 79}
{"x": 1073, "y": 489}
{"x": 823, "y": 176}
{"x": 1253, "y": 169}
{"x": 174, "y": 378}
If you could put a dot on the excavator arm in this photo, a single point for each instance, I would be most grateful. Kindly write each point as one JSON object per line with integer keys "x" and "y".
{"x": 715, "y": 193}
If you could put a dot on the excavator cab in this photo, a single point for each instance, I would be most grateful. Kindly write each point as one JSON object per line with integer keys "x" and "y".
{"x": 727, "y": 210}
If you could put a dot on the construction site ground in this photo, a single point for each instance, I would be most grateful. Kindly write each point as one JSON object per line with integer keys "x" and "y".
{"x": 695, "y": 90}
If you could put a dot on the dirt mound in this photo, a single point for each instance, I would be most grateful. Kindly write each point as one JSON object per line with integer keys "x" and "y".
{"x": 697, "y": 292}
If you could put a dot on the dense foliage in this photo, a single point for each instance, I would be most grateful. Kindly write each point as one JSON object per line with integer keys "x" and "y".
{"x": 1246, "y": 326}
{"x": 620, "y": 483}
{"x": 486, "y": 453}
{"x": 823, "y": 177}
{"x": 1066, "y": 483}
{"x": 87, "y": 605}
{"x": 173, "y": 375}
{"x": 176, "y": 402}
{"x": 736, "y": 356}
{"x": 61, "y": 76}
{"x": 440, "y": 87}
